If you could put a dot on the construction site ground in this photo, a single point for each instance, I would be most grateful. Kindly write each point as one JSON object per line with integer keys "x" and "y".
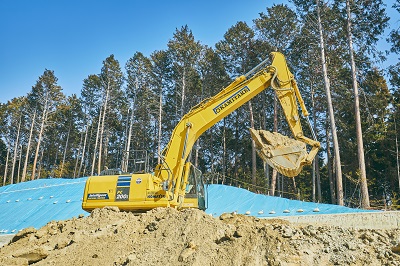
{"x": 274, "y": 231}
{"x": 165, "y": 236}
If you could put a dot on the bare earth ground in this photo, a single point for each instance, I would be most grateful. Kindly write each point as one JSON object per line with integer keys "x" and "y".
{"x": 5, "y": 239}
{"x": 165, "y": 236}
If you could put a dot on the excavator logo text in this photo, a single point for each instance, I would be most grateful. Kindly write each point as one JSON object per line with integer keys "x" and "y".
{"x": 231, "y": 99}
{"x": 97, "y": 196}
{"x": 155, "y": 195}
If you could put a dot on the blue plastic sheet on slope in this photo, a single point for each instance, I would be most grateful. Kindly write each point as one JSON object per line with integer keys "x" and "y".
{"x": 35, "y": 203}
{"x": 223, "y": 198}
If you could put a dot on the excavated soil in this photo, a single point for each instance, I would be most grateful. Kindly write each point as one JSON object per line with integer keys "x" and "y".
{"x": 165, "y": 236}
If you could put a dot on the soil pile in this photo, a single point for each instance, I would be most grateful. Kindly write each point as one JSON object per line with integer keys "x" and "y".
{"x": 165, "y": 236}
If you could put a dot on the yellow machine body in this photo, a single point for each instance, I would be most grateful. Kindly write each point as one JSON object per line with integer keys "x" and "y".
{"x": 138, "y": 192}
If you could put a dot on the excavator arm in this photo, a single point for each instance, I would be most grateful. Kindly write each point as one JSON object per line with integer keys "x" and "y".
{"x": 285, "y": 155}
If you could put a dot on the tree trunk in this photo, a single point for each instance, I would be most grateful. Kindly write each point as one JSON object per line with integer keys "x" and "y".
{"x": 159, "y": 126}
{"x": 19, "y": 164}
{"x": 6, "y": 166}
{"x": 125, "y": 140}
{"x": 295, "y": 188}
{"x": 83, "y": 150}
{"x": 28, "y": 149}
{"x": 313, "y": 182}
{"x": 106, "y": 144}
{"x": 15, "y": 151}
{"x": 278, "y": 185}
{"x": 236, "y": 149}
{"x": 266, "y": 174}
{"x": 397, "y": 153}
{"x": 329, "y": 165}
{"x": 41, "y": 132}
{"x": 128, "y": 142}
{"x": 253, "y": 149}
{"x": 183, "y": 92}
{"x": 95, "y": 144}
{"x": 102, "y": 129}
{"x": 317, "y": 173}
{"x": 264, "y": 125}
{"x": 339, "y": 184}
{"x": 274, "y": 172}
{"x": 40, "y": 164}
{"x": 65, "y": 150}
{"x": 78, "y": 155}
{"x": 360, "y": 144}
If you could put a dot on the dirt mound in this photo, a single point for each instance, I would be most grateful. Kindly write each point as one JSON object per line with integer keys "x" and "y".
{"x": 165, "y": 236}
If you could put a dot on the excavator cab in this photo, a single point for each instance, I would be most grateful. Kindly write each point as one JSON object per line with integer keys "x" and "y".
{"x": 195, "y": 189}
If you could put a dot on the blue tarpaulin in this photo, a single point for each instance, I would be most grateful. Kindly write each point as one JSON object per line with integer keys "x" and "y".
{"x": 35, "y": 203}
{"x": 223, "y": 198}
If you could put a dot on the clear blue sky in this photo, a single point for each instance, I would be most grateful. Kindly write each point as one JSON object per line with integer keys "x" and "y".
{"x": 73, "y": 37}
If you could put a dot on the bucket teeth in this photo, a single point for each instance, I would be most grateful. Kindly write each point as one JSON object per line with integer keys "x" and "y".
{"x": 284, "y": 154}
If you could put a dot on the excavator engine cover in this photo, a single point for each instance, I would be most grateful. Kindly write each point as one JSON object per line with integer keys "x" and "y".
{"x": 284, "y": 154}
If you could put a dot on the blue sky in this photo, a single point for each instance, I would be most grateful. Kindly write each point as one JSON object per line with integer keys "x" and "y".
{"x": 73, "y": 37}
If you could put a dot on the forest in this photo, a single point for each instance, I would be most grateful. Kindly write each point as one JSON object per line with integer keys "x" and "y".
{"x": 331, "y": 48}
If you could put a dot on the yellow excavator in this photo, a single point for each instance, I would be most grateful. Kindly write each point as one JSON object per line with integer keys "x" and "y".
{"x": 175, "y": 182}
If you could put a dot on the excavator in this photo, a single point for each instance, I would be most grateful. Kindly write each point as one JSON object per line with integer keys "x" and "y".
{"x": 177, "y": 183}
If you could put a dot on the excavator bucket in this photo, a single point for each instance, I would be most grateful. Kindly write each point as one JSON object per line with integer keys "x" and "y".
{"x": 284, "y": 154}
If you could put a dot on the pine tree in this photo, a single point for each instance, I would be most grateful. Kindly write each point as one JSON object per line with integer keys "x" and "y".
{"x": 142, "y": 105}
{"x": 46, "y": 94}
{"x": 160, "y": 70}
{"x": 236, "y": 51}
{"x": 363, "y": 30}
{"x": 184, "y": 51}
{"x": 111, "y": 80}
